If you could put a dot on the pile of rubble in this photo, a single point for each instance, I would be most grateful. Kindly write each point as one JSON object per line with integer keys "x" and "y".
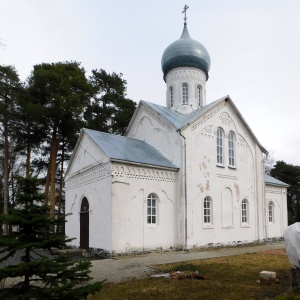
{"x": 181, "y": 275}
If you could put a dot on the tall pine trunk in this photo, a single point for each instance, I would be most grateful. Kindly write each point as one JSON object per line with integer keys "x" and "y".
{"x": 28, "y": 158}
{"x": 6, "y": 178}
{"x": 48, "y": 178}
{"x": 27, "y": 276}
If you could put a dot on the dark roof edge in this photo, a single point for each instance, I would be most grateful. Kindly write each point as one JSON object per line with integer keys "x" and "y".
{"x": 144, "y": 164}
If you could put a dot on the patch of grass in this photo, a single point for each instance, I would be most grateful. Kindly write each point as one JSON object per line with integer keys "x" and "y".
{"x": 231, "y": 278}
{"x": 288, "y": 296}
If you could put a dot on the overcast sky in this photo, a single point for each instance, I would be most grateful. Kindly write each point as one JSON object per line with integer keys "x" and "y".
{"x": 254, "y": 48}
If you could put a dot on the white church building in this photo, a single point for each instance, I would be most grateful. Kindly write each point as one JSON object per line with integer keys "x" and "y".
{"x": 188, "y": 174}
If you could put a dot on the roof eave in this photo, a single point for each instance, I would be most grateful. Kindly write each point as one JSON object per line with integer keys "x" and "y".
{"x": 279, "y": 185}
{"x": 74, "y": 151}
{"x": 144, "y": 164}
{"x": 157, "y": 114}
{"x": 133, "y": 117}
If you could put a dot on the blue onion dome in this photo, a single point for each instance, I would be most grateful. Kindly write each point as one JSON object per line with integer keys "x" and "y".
{"x": 185, "y": 52}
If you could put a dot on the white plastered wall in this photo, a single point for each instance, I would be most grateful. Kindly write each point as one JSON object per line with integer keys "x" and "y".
{"x": 151, "y": 127}
{"x": 148, "y": 125}
{"x": 90, "y": 178}
{"x": 278, "y": 195}
{"x": 131, "y": 186}
{"x": 98, "y": 194}
{"x": 226, "y": 186}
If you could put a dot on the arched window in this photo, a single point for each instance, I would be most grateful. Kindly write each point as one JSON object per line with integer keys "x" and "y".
{"x": 271, "y": 212}
{"x": 84, "y": 205}
{"x": 207, "y": 210}
{"x": 220, "y": 146}
{"x": 151, "y": 209}
{"x": 199, "y": 97}
{"x": 171, "y": 96}
{"x": 185, "y": 93}
{"x": 231, "y": 149}
{"x": 245, "y": 211}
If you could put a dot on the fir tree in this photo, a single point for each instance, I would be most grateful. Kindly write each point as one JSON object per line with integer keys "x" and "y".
{"x": 37, "y": 275}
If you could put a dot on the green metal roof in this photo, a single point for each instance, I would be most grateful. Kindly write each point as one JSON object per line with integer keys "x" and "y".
{"x": 273, "y": 181}
{"x": 121, "y": 148}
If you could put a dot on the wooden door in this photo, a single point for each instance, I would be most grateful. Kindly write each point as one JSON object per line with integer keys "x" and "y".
{"x": 84, "y": 224}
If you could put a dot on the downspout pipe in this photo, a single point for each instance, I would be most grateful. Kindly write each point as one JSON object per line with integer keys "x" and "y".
{"x": 266, "y": 216}
{"x": 185, "y": 189}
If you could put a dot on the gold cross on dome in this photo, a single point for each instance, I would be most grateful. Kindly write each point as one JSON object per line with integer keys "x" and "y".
{"x": 184, "y": 11}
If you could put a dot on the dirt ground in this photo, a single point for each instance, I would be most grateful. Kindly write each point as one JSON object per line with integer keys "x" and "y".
{"x": 275, "y": 251}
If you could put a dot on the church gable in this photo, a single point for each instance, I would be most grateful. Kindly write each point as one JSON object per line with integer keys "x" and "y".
{"x": 226, "y": 150}
{"x": 149, "y": 124}
{"x": 86, "y": 155}
{"x": 224, "y": 115}
{"x": 147, "y": 117}
{"x": 225, "y": 146}
{"x": 225, "y": 160}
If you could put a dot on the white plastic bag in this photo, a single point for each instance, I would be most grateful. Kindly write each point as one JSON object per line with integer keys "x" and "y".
{"x": 292, "y": 243}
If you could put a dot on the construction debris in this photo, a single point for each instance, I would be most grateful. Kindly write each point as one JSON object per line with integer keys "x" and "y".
{"x": 181, "y": 275}
{"x": 164, "y": 275}
{"x": 186, "y": 275}
{"x": 267, "y": 277}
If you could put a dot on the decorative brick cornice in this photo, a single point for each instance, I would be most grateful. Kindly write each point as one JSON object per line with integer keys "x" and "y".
{"x": 275, "y": 189}
{"x": 186, "y": 75}
{"x": 98, "y": 172}
{"x": 142, "y": 173}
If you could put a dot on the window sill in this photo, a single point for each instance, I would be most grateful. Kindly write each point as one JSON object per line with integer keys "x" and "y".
{"x": 245, "y": 225}
{"x": 208, "y": 226}
{"x": 232, "y": 167}
{"x": 152, "y": 225}
{"x": 228, "y": 227}
{"x": 220, "y": 166}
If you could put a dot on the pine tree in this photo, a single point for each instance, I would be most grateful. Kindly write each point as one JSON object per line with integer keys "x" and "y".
{"x": 9, "y": 86}
{"x": 109, "y": 110}
{"x": 36, "y": 274}
{"x": 61, "y": 91}
{"x": 290, "y": 174}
